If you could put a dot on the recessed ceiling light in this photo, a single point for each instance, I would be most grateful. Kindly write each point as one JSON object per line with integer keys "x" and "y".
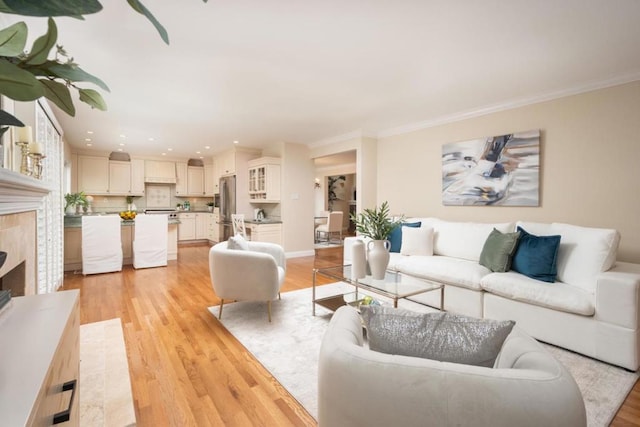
{"x": 235, "y": 142}
{"x": 89, "y": 144}
{"x": 206, "y": 147}
{"x": 120, "y": 149}
{"x": 87, "y": 139}
{"x": 90, "y": 132}
{"x": 121, "y": 144}
{"x": 151, "y": 139}
{"x": 201, "y": 157}
{"x": 164, "y": 154}
{"x": 169, "y": 149}
{"x": 197, "y": 152}
{"x": 122, "y": 136}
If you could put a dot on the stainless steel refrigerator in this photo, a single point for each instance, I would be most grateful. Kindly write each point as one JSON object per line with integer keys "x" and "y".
{"x": 227, "y": 205}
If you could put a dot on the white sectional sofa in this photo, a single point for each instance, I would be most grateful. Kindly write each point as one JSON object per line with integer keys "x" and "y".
{"x": 592, "y": 308}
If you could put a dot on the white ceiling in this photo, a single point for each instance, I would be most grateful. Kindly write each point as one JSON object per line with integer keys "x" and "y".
{"x": 299, "y": 71}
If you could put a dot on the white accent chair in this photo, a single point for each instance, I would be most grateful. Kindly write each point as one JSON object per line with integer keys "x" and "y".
{"x": 255, "y": 274}
{"x": 358, "y": 387}
{"x": 238, "y": 225}
{"x": 101, "y": 244}
{"x": 333, "y": 226}
{"x": 150, "y": 241}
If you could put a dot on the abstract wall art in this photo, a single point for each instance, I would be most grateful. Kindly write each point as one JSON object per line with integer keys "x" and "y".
{"x": 501, "y": 170}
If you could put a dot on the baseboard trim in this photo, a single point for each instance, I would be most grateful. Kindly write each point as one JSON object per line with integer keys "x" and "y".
{"x": 299, "y": 254}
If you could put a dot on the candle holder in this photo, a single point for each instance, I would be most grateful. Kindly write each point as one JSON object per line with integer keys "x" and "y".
{"x": 25, "y": 163}
{"x": 37, "y": 164}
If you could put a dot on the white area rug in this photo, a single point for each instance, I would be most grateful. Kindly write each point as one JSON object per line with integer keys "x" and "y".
{"x": 105, "y": 387}
{"x": 289, "y": 347}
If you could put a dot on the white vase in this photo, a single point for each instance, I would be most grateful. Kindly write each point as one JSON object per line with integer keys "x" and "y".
{"x": 358, "y": 260}
{"x": 378, "y": 257}
{"x": 71, "y": 209}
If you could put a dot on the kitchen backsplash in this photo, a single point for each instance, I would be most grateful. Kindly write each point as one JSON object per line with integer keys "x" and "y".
{"x": 156, "y": 197}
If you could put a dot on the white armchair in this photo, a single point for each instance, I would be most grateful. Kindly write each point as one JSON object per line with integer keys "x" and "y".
{"x": 360, "y": 387}
{"x": 255, "y": 274}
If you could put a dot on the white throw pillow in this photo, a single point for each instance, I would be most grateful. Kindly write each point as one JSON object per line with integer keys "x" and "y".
{"x": 417, "y": 241}
{"x": 237, "y": 242}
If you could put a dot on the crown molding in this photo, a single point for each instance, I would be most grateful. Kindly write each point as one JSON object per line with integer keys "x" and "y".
{"x": 342, "y": 138}
{"x": 509, "y": 105}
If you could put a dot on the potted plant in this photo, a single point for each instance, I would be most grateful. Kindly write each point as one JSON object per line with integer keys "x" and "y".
{"x": 376, "y": 224}
{"x": 210, "y": 206}
{"x": 73, "y": 201}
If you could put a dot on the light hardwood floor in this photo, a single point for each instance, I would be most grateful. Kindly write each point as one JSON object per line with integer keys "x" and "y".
{"x": 186, "y": 369}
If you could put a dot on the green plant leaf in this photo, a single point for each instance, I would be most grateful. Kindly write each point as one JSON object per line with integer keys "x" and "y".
{"x": 59, "y": 94}
{"x": 43, "y": 44}
{"x": 9, "y": 119}
{"x": 139, "y": 7}
{"x": 75, "y": 74}
{"x": 93, "y": 98}
{"x": 13, "y": 39}
{"x": 18, "y": 84}
{"x": 51, "y": 7}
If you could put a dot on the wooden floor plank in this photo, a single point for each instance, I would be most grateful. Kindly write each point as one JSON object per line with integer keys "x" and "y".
{"x": 186, "y": 368}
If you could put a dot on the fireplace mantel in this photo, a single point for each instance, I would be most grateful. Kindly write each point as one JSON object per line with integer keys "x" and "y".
{"x": 20, "y": 193}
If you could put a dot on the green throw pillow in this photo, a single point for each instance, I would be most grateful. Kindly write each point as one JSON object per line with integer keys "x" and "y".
{"x": 498, "y": 250}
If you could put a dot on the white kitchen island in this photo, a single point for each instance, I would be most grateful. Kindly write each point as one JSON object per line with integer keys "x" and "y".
{"x": 73, "y": 243}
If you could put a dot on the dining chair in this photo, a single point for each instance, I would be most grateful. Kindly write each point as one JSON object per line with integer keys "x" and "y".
{"x": 332, "y": 227}
{"x": 238, "y": 225}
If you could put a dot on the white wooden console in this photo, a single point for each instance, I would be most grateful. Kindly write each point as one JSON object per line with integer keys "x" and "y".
{"x": 39, "y": 356}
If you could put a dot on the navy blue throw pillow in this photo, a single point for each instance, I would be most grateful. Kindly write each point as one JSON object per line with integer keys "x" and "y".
{"x": 536, "y": 256}
{"x": 395, "y": 238}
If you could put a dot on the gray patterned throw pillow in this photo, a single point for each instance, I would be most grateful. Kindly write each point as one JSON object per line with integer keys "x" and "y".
{"x": 445, "y": 337}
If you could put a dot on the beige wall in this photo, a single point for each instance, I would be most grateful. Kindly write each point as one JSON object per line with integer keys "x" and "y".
{"x": 297, "y": 200}
{"x": 590, "y": 164}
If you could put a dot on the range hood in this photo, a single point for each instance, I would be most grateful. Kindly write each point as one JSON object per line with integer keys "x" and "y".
{"x": 159, "y": 172}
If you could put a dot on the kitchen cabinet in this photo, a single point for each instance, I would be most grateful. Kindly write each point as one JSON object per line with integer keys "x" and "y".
{"x": 195, "y": 181}
{"x": 72, "y": 248}
{"x": 137, "y": 177}
{"x": 210, "y": 184}
{"x": 41, "y": 352}
{"x": 216, "y": 176}
{"x": 214, "y": 228}
{"x": 187, "y": 226}
{"x": 126, "y": 238}
{"x": 159, "y": 171}
{"x": 101, "y": 176}
{"x": 264, "y": 180}
{"x": 181, "y": 179}
{"x": 172, "y": 242}
{"x": 203, "y": 221}
{"x": 227, "y": 162}
{"x": 271, "y": 233}
{"x": 93, "y": 175}
{"x": 119, "y": 177}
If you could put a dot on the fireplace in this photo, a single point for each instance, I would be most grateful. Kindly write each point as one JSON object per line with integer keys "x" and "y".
{"x": 20, "y": 198}
{"x": 18, "y": 240}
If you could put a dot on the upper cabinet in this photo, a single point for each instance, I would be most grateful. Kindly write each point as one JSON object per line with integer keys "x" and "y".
{"x": 210, "y": 181}
{"x": 101, "y": 176}
{"x": 93, "y": 174}
{"x": 163, "y": 172}
{"x": 195, "y": 181}
{"x": 181, "y": 182}
{"x": 264, "y": 180}
{"x": 226, "y": 162}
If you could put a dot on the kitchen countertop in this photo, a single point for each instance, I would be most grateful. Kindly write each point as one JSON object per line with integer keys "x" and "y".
{"x": 75, "y": 221}
{"x": 264, "y": 221}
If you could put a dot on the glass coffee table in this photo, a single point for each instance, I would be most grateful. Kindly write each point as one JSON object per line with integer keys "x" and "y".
{"x": 395, "y": 286}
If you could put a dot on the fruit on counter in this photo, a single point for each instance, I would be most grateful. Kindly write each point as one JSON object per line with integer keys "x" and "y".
{"x": 128, "y": 215}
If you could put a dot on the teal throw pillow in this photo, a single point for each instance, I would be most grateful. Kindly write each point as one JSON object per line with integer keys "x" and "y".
{"x": 498, "y": 250}
{"x": 395, "y": 238}
{"x": 536, "y": 256}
